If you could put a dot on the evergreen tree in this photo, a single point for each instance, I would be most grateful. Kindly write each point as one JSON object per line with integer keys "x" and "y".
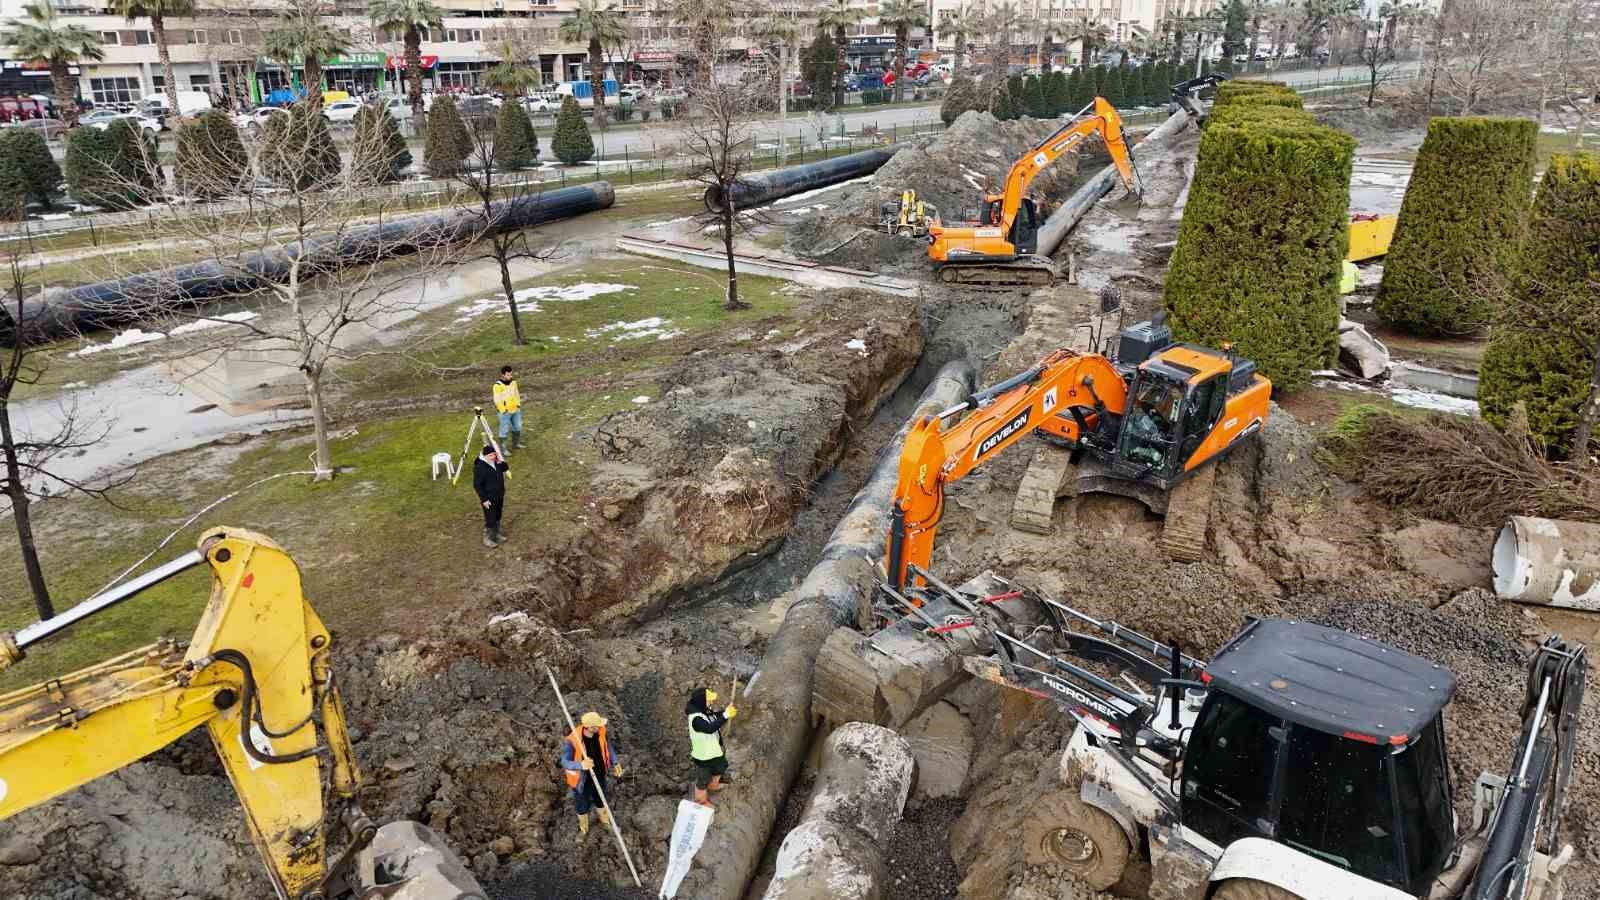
{"x": 1460, "y": 223}
{"x": 447, "y": 142}
{"x": 1097, "y": 78}
{"x": 1018, "y": 101}
{"x": 1000, "y": 106}
{"x": 818, "y": 69}
{"x": 1055, "y": 97}
{"x": 1235, "y": 35}
{"x": 27, "y": 172}
{"x": 964, "y": 95}
{"x": 1112, "y": 88}
{"x": 107, "y": 168}
{"x": 211, "y": 159}
{"x": 515, "y": 144}
{"x": 297, "y": 152}
{"x": 378, "y": 154}
{"x": 1033, "y": 98}
{"x": 1542, "y": 350}
{"x": 1081, "y": 90}
{"x": 572, "y": 143}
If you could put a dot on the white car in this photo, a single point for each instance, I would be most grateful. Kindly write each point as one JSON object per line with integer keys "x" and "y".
{"x": 631, "y": 95}
{"x": 256, "y": 119}
{"x": 341, "y": 111}
{"x": 399, "y": 107}
{"x": 102, "y": 119}
{"x": 543, "y": 105}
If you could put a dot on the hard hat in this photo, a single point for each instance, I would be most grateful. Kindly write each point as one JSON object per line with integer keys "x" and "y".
{"x": 593, "y": 719}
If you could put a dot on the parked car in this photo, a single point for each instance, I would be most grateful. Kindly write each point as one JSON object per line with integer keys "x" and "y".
{"x": 631, "y": 95}
{"x": 399, "y": 107}
{"x": 50, "y": 128}
{"x": 146, "y": 124}
{"x": 256, "y": 119}
{"x": 342, "y": 112}
{"x": 541, "y": 105}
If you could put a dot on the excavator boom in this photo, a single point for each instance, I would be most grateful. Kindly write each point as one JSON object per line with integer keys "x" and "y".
{"x": 996, "y": 251}
{"x": 257, "y": 674}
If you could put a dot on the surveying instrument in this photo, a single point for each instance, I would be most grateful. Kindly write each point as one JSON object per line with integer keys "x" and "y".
{"x": 473, "y": 427}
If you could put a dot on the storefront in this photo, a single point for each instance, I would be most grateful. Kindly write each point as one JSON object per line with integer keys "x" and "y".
{"x": 358, "y": 74}
{"x": 461, "y": 74}
{"x": 866, "y": 54}
{"x": 653, "y": 66}
{"x": 19, "y": 79}
{"x": 399, "y": 78}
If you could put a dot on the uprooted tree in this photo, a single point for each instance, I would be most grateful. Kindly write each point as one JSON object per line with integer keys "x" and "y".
{"x": 1544, "y": 350}
{"x": 1262, "y": 240}
{"x": 1460, "y": 224}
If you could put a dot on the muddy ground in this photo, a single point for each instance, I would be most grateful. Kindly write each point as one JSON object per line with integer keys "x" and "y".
{"x": 718, "y": 498}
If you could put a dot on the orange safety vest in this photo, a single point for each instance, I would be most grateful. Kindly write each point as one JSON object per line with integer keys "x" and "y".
{"x": 575, "y": 739}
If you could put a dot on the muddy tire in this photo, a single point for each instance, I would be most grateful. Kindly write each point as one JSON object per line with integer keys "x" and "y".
{"x": 1062, "y": 830}
{"x": 1251, "y": 889}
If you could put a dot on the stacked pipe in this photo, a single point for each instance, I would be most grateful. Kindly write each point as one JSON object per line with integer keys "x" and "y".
{"x": 105, "y": 303}
{"x": 779, "y": 696}
{"x": 754, "y": 190}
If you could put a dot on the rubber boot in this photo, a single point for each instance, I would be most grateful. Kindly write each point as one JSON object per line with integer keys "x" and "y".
{"x": 488, "y": 539}
{"x": 583, "y": 823}
{"x": 605, "y": 818}
{"x": 516, "y": 441}
{"x": 497, "y": 536}
{"x": 716, "y": 784}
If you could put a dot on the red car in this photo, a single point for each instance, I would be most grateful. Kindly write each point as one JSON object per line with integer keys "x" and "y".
{"x": 20, "y": 109}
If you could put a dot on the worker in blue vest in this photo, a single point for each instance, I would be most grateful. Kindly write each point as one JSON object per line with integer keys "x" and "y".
{"x": 705, "y": 742}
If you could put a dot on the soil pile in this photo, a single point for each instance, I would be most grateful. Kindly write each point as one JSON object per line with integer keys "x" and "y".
{"x": 950, "y": 171}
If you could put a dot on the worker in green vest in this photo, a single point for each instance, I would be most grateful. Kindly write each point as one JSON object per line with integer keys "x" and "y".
{"x": 705, "y": 742}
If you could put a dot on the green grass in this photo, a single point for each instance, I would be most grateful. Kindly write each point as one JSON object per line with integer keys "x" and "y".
{"x": 383, "y": 546}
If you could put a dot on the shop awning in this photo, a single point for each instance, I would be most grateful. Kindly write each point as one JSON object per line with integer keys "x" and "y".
{"x": 399, "y": 62}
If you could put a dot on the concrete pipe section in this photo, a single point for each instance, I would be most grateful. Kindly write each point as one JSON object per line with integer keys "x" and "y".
{"x": 754, "y": 190}
{"x": 836, "y": 852}
{"x": 59, "y": 313}
{"x": 1548, "y": 561}
{"x": 1055, "y": 228}
{"x": 778, "y": 730}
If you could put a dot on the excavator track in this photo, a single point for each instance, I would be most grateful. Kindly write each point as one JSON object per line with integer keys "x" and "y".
{"x": 1183, "y": 538}
{"x": 1022, "y": 272}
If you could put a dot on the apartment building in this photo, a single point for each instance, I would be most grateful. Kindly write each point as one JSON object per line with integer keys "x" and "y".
{"x": 219, "y": 49}
{"x": 1122, "y": 20}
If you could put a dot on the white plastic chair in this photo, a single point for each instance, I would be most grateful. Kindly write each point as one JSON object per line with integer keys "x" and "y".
{"x": 442, "y": 460}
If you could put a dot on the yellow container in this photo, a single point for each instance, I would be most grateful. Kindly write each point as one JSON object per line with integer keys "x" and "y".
{"x": 1370, "y": 236}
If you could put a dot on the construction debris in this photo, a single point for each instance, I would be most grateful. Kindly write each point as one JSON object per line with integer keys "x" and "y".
{"x": 1548, "y": 561}
{"x": 1364, "y": 354}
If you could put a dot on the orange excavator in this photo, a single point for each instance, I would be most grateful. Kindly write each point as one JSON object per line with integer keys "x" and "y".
{"x": 1155, "y": 414}
{"x": 999, "y": 249}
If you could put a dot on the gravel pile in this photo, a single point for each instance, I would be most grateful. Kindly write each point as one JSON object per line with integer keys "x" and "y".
{"x": 543, "y": 881}
{"x": 919, "y": 853}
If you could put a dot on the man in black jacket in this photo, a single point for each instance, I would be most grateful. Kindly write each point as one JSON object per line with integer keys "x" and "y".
{"x": 489, "y": 481}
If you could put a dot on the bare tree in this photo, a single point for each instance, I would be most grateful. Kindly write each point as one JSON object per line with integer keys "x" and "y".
{"x": 302, "y": 267}
{"x": 492, "y": 193}
{"x": 718, "y": 137}
{"x": 31, "y": 447}
{"x": 1476, "y": 50}
{"x": 1569, "y": 73}
{"x": 1376, "y": 48}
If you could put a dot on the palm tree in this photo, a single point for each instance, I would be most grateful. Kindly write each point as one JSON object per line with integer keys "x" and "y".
{"x": 157, "y": 11}
{"x": 44, "y": 39}
{"x": 902, "y": 16}
{"x": 1092, "y": 32}
{"x": 781, "y": 28}
{"x": 1137, "y": 43}
{"x": 840, "y": 16}
{"x": 507, "y": 76}
{"x": 1001, "y": 23}
{"x": 601, "y": 27}
{"x": 412, "y": 18}
{"x": 304, "y": 36}
{"x": 960, "y": 23}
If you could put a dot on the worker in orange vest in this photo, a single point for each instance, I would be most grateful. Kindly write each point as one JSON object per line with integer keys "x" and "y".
{"x": 588, "y": 758}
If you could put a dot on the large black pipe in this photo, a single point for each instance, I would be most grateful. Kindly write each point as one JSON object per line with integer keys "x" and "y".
{"x": 755, "y": 190}
{"x": 57, "y": 313}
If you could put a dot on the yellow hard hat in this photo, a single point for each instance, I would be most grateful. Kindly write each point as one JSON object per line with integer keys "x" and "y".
{"x": 592, "y": 719}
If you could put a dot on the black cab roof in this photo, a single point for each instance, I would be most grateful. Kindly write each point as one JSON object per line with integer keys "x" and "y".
{"x": 1332, "y": 680}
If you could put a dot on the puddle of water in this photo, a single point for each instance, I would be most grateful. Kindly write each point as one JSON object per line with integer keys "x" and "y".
{"x": 1114, "y": 237}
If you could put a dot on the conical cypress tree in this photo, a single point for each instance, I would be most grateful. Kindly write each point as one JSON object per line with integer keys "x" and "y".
{"x": 572, "y": 143}
{"x": 963, "y": 96}
{"x": 1000, "y": 107}
{"x": 27, "y": 171}
{"x": 1081, "y": 91}
{"x": 297, "y": 152}
{"x": 1033, "y": 98}
{"x": 515, "y": 144}
{"x": 1055, "y": 97}
{"x": 1018, "y": 101}
{"x": 1112, "y": 88}
{"x": 211, "y": 159}
{"x": 1097, "y": 78}
{"x": 447, "y": 142}
{"x": 106, "y": 168}
{"x": 378, "y": 153}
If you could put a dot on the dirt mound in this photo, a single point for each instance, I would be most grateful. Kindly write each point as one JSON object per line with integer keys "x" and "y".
{"x": 949, "y": 171}
{"x": 707, "y": 478}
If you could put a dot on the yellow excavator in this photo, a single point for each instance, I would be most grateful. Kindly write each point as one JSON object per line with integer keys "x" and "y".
{"x": 999, "y": 249}
{"x": 258, "y": 674}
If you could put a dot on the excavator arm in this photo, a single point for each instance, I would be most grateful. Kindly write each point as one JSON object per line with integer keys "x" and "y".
{"x": 1103, "y": 121}
{"x": 257, "y": 675}
{"x": 933, "y": 458}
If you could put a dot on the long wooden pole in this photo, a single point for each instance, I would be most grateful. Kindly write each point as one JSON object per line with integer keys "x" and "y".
{"x": 597, "y": 788}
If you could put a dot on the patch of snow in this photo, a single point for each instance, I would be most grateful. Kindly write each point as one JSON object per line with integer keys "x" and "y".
{"x": 214, "y": 322}
{"x": 1460, "y": 406}
{"x": 642, "y": 398}
{"x": 1552, "y": 129}
{"x": 832, "y": 187}
{"x": 518, "y": 617}
{"x": 655, "y": 327}
{"x": 136, "y": 336}
{"x": 528, "y": 298}
{"x": 54, "y": 217}
{"x": 802, "y": 210}
{"x": 665, "y": 222}
{"x": 856, "y": 344}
